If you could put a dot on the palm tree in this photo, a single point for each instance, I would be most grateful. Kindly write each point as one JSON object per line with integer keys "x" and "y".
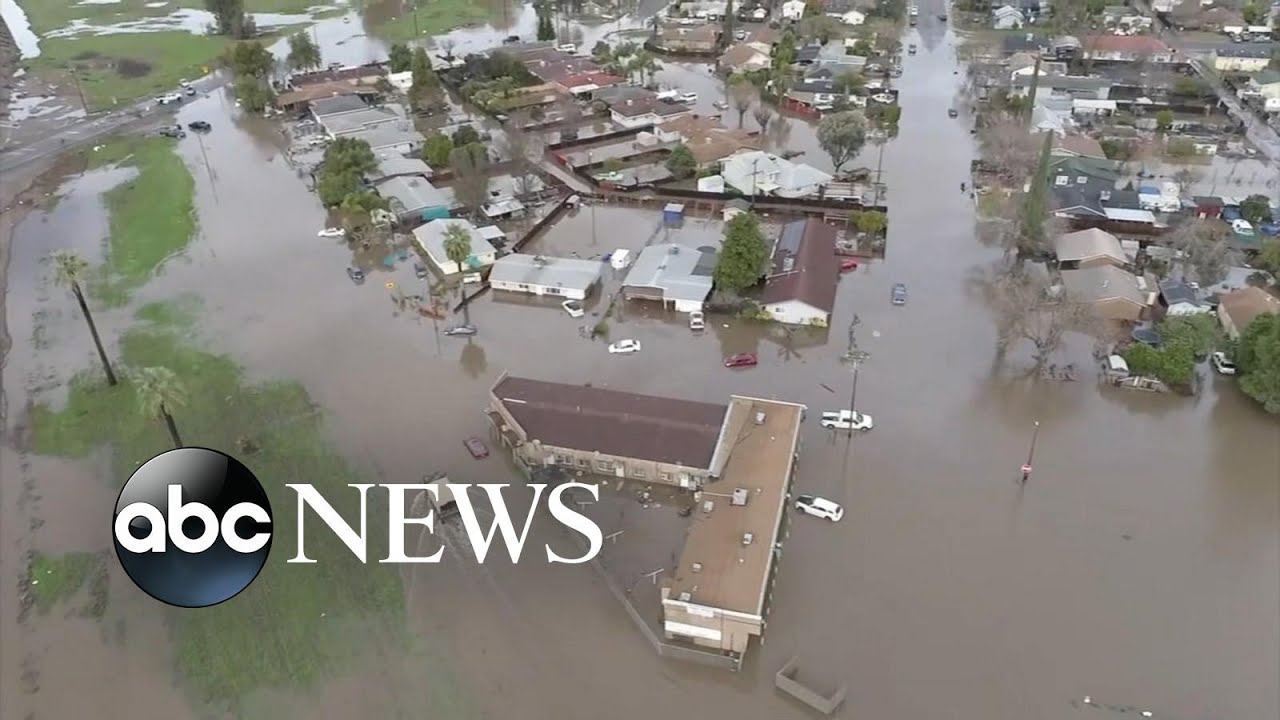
{"x": 159, "y": 390}
{"x": 457, "y": 247}
{"x": 69, "y": 270}
{"x": 644, "y": 63}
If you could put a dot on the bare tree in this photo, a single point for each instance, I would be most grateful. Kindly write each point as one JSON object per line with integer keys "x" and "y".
{"x": 524, "y": 149}
{"x": 470, "y": 165}
{"x": 1185, "y": 178}
{"x": 446, "y": 46}
{"x": 779, "y": 131}
{"x": 1028, "y": 309}
{"x": 1203, "y": 244}
{"x": 1009, "y": 148}
{"x": 743, "y": 93}
{"x": 762, "y": 114}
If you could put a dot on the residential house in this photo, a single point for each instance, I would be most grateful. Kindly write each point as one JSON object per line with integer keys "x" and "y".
{"x": 745, "y": 57}
{"x": 1125, "y": 18}
{"x": 430, "y": 238}
{"x": 362, "y": 75}
{"x": 1113, "y": 293}
{"x": 1238, "y": 308}
{"x": 674, "y": 275}
{"x": 1242, "y": 58}
{"x": 1073, "y": 86}
{"x": 696, "y": 38}
{"x": 1076, "y": 166}
{"x": 1065, "y": 47}
{"x": 1208, "y": 207}
{"x": 1088, "y": 248}
{"x": 792, "y": 10}
{"x": 1265, "y": 84}
{"x": 761, "y": 173}
{"x": 401, "y": 81}
{"x": 1007, "y": 17}
{"x": 573, "y": 74}
{"x": 337, "y": 105}
{"x": 569, "y": 278}
{"x": 351, "y": 121}
{"x": 634, "y": 107}
{"x": 397, "y": 138}
{"x": 852, "y": 18}
{"x": 813, "y": 96}
{"x": 413, "y": 199}
{"x": 708, "y": 140}
{"x": 301, "y": 98}
{"x": 800, "y": 288}
{"x": 1081, "y": 146}
{"x": 1029, "y": 43}
{"x": 1179, "y": 298}
{"x": 1081, "y": 107}
{"x": 392, "y": 165}
{"x": 1128, "y": 48}
{"x": 734, "y": 208}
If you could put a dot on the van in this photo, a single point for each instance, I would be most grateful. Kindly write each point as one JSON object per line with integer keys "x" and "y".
{"x": 689, "y": 98}
{"x": 620, "y": 259}
{"x": 569, "y": 48}
{"x": 668, "y": 95}
{"x": 697, "y": 321}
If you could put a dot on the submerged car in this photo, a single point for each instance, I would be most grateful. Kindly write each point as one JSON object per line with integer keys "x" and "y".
{"x": 199, "y": 126}
{"x": 953, "y": 113}
{"x": 1222, "y": 363}
{"x": 623, "y": 347}
{"x": 741, "y": 360}
{"x": 332, "y": 232}
{"x": 574, "y": 309}
{"x": 819, "y": 507}
{"x": 173, "y": 131}
{"x": 697, "y": 321}
{"x": 848, "y": 264}
{"x": 460, "y": 331}
{"x": 356, "y": 275}
{"x": 476, "y": 447}
{"x": 846, "y": 420}
{"x": 898, "y": 296}
{"x": 420, "y": 271}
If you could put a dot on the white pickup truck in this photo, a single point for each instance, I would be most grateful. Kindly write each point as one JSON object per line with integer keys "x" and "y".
{"x": 846, "y": 420}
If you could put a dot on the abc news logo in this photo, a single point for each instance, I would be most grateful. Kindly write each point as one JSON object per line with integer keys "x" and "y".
{"x": 193, "y": 526}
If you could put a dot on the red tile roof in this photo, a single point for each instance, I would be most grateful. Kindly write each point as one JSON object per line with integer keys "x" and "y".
{"x": 812, "y": 272}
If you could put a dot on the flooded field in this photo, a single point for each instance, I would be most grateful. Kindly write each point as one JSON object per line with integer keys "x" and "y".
{"x": 1139, "y": 566}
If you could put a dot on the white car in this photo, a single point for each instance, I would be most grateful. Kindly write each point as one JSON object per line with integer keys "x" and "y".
{"x": 884, "y": 98}
{"x": 169, "y": 98}
{"x": 624, "y": 346}
{"x": 689, "y": 98}
{"x": 569, "y": 48}
{"x": 332, "y": 232}
{"x": 1222, "y": 364}
{"x": 574, "y": 309}
{"x": 697, "y": 321}
{"x": 819, "y": 507}
{"x": 846, "y": 420}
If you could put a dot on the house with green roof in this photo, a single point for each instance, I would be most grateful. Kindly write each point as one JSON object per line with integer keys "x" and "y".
{"x": 1093, "y": 168}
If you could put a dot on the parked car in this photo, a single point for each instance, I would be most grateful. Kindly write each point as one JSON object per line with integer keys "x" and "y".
{"x": 173, "y": 131}
{"x": 697, "y": 321}
{"x": 848, "y": 264}
{"x": 567, "y": 48}
{"x": 720, "y": 105}
{"x": 332, "y": 232}
{"x": 169, "y": 98}
{"x": 420, "y": 271}
{"x": 689, "y": 98}
{"x": 740, "y": 35}
{"x": 846, "y": 420}
{"x": 952, "y": 113}
{"x": 819, "y": 507}
{"x": 899, "y": 294}
{"x": 574, "y": 309}
{"x": 741, "y": 360}
{"x": 884, "y": 98}
{"x": 356, "y": 275}
{"x": 476, "y": 447}
{"x": 911, "y": 49}
{"x": 460, "y": 331}
{"x": 623, "y": 347}
{"x": 1222, "y": 363}
{"x": 199, "y": 126}
{"x": 472, "y": 278}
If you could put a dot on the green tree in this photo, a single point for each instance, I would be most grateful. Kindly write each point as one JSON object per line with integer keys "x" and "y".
{"x": 644, "y": 64}
{"x": 333, "y": 186}
{"x": 303, "y": 52}
{"x": 848, "y": 82}
{"x": 70, "y": 271}
{"x": 346, "y": 161}
{"x": 253, "y": 93}
{"x": 1164, "y": 120}
{"x": 251, "y": 58}
{"x": 842, "y": 136}
{"x": 1032, "y": 91}
{"x": 600, "y": 52}
{"x": 400, "y": 58}
{"x": 1269, "y": 258}
{"x": 435, "y": 152}
{"x": 1199, "y": 334}
{"x": 1172, "y": 365}
{"x": 681, "y": 162}
{"x": 425, "y": 83}
{"x": 230, "y": 19}
{"x": 159, "y": 393}
{"x": 465, "y": 135}
{"x": 1258, "y": 357}
{"x": 871, "y": 222}
{"x": 1186, "y": 86}
{"x": 1255, "y": 13}
{"x": 742, "y": 255}
{"x": 457, "y": 248}
{"x": 1256, "y": 209}
{"x": 1031, "y": 232}
{"x": 784, "y": 53}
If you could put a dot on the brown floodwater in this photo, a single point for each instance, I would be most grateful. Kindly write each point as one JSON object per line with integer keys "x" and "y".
{"x": 1139, "y": 566}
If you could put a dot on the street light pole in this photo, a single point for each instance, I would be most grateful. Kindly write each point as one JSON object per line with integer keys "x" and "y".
{"x": 854, "y": 357}
{"x": 1026, "y": 468}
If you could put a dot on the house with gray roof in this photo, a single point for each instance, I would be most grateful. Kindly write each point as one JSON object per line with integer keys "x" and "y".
{"x": 671, "y": 274}
{"x": 397, "y": 138}
{"x": 569, "y": 278}
{"x": 345, "y": 123}
{"x": 413, "y": 198}
{"x": 430, "y": 238}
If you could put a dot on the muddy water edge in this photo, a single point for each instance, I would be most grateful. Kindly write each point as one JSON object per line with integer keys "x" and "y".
{"x": 1140, "y": 566}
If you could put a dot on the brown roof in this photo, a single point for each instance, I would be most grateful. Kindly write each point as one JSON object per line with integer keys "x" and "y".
{"x": 318, "y": 91}
{"x": 1245, "y": 304}
{"x": 708, "y": 140}
{"x": 804, "y": 265}
{"x": 739, "y": 54}
{"x": 612, "y": 422}
{"x": 1126, "y": 44}
{"x": 364, "y": 73}
{"x": 1082, "y": 145}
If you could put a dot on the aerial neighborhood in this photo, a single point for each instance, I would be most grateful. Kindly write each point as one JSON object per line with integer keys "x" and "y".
{"x": 650, "y": 252}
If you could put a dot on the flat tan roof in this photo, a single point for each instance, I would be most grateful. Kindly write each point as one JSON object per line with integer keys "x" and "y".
{"x": 732, "y": 576}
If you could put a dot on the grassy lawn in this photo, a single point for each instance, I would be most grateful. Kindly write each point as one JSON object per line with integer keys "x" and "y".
{"x": 119, "y": 69}
{"x": 297, "y": 623}
{"x": 57, "y": 578}
{"x": 152, "y": 217}
{"x": 48, "y": 15}
{"x": 435, "y": 18}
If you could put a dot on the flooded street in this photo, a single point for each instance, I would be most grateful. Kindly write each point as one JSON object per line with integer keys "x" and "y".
{"x": 1140, "y": 565}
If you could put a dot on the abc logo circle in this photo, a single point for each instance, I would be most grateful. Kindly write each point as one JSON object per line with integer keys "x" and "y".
{"x": 192, "y": 527}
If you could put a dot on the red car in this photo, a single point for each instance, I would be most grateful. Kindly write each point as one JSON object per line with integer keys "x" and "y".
{"x": 848, "y": 264}
{"x": 740, "y": 360}
{"x": 476, "y": 447}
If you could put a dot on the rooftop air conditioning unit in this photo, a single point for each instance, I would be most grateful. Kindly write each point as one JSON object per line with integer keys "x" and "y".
{"x": 685, "y": 596}
{"x": 697, "y": 567}
{"x": 747, "y": 538}
{"x": 760, "y": 418}
{"x": 739, "y": 497}
{"x": 707, "y": 506}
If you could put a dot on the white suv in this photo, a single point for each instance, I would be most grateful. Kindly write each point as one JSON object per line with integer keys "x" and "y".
{"x": 819, "y": 507}
{"x": 696, "y": 321}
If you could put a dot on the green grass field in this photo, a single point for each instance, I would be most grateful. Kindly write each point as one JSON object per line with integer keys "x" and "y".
{"x": 116, "y": 70}
{"x": 435, "y": 18}
{"x": 48, "y": 15}
{"x": 57, "y": 578}
{"x": 297, "y": 623}
{"x": 152, "y": 216}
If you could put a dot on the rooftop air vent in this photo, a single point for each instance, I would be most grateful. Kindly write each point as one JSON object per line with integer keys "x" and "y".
{"x": 739, "y": 496}
{"x": 747, "y": 538}
{"x": 697, "y": 567}
{"x": 707, "y": 507}
{"x": 760, "y": 418}
{"x": 685, "y": 596}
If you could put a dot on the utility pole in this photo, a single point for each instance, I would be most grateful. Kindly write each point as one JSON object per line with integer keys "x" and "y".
{"x": 75, "y": 77}
{"x": 1026, "y": 468}
{"x": 854, "y": 357}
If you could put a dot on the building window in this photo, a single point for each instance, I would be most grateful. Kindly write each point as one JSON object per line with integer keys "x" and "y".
{"x": 551, "y": 291}
{"x": 604, "y": 465}
{"x": 637, "y": 472}
{"x": 664, "y": 477}
{"x": 563, "y": 459}
{"x": 583, "y": 462}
